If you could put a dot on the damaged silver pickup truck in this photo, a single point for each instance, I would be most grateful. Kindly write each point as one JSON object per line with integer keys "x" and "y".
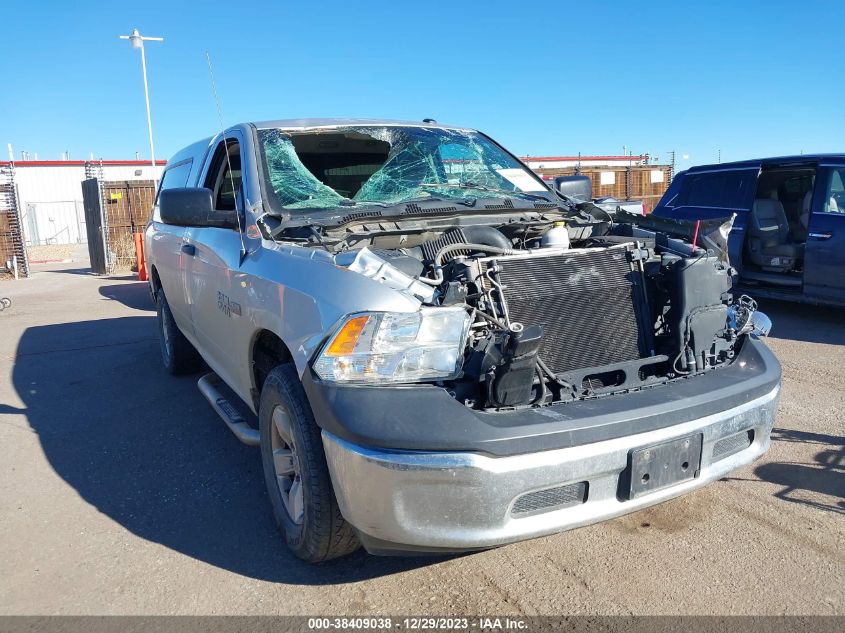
{"x": 444, "y": 354}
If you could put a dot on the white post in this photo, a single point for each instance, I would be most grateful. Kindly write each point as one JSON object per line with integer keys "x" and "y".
{"x": 149, "y": 119}
{"x": 137, "y": 40}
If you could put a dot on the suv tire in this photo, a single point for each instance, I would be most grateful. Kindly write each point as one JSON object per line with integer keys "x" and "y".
{"x": 296, "y": 474}
{"x": 177, "y": 353}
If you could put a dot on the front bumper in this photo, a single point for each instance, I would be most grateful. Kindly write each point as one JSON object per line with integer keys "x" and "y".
{"x": 427, "y": 418}
{"x": 407, "y": 501}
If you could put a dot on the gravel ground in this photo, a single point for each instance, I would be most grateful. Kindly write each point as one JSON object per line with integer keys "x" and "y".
{"x": 122, "y": 493}
{"x": 49, "y": 252}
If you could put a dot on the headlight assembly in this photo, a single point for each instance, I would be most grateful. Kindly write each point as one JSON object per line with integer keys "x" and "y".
{"x": 396, "y": 347}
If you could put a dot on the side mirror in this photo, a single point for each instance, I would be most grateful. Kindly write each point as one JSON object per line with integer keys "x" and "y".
{"x": 193, "y": 206}
{"x": 579, "y": 188}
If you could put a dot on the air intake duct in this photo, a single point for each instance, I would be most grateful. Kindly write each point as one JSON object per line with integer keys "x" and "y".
{"x": 474, "y": 234}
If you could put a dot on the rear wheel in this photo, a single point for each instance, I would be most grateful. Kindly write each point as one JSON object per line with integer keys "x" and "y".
{"x": 177, "y": 353}
{"x": 296, "y": 474}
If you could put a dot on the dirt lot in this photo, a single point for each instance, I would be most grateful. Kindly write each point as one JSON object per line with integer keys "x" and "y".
{"x": 53, "y": 252}
{"x": 122, "y": 493}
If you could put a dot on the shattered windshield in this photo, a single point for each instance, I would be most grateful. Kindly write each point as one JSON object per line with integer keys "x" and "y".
{"x": 386, "y": 165}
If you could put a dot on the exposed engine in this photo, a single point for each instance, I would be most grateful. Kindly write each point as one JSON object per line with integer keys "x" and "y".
{"x": 567, "y": 310}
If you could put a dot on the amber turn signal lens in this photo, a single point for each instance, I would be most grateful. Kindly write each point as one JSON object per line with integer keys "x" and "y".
{"x": 344, "y": 341}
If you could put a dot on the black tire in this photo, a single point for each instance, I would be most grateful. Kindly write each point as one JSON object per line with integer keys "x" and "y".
{"x": 321, "y": 533}
{"x": 177, "y": 353}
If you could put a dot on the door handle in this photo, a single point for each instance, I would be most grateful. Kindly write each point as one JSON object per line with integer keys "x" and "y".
{"x": 820, "y": 236}
{"x": 189, "y": 249}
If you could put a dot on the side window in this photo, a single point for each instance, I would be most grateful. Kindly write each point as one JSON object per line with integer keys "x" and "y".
{"x": 224, "y": 175}
{"x": 726, "y": 190}
{"x": 834, "y": 200}
{"x": 176, "y": 176}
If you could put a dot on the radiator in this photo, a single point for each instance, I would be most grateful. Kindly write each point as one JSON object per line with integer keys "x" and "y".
{"x": 585, "y": 301}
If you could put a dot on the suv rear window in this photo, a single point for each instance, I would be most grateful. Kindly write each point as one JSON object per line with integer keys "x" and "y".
{"x": 721, "y": 189}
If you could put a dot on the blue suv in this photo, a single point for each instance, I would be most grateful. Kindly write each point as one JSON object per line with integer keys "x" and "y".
{"x": 788, "y": 237}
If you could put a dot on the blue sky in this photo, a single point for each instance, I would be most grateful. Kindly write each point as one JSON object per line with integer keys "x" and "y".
{"x": 747, "y": 78}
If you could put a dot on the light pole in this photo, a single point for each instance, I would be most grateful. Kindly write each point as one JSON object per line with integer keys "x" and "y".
{"x": 137, "y": 40}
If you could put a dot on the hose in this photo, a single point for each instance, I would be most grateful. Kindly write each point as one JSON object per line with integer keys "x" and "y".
{"x": 438, "y": 258}
{"x": 541, "y": 397}
{"x": 485, "y": 248}
{"x": 483, "y": 234}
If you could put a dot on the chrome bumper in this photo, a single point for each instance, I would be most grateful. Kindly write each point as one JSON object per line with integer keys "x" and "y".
{"x": 443, "y": 500}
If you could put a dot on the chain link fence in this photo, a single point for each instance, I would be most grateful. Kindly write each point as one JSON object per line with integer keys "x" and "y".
{"x": 13, "y": 259}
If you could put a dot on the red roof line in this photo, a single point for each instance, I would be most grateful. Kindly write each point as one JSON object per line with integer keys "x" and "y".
{"x": 582, "y": 158}
{"x": 80, "y": 163}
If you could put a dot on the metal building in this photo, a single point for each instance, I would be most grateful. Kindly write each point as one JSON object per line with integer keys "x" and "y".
{"x": 50, "y": 194}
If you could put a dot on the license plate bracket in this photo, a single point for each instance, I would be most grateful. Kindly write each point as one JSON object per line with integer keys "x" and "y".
{"x": 663, "y": 465}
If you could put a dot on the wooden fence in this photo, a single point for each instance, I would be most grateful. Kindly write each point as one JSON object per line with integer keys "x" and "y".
{"x": 114, "y": 212}
{"x": 637, "y": 182}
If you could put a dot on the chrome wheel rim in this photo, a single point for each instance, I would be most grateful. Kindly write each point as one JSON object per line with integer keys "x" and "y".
{"x": 286, "y": 464}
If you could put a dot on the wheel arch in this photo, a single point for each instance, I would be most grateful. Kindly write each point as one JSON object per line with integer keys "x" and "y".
{"x": 267, "y": 352}
{"x": 155, "y": 282}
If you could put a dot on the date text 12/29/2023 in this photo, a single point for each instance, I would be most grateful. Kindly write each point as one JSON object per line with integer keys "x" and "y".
{"x": 417, "y": 623}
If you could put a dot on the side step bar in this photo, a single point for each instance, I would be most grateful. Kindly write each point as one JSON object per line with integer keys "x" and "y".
{"x": 244, "y": 432}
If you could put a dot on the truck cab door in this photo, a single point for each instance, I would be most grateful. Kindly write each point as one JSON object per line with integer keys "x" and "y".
{"x": 215, "y": 285}
{"x": 824, "y": 257}
{"x": 166, "y": 240}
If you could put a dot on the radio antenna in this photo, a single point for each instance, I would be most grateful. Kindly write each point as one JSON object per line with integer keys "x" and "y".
{"x": 228, "y": 160}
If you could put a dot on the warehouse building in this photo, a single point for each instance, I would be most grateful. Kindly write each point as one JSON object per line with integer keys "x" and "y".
{"x": 49, "y": 194}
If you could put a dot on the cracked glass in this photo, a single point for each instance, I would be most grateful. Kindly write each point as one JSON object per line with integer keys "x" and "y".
{"x": 384, "y": 165}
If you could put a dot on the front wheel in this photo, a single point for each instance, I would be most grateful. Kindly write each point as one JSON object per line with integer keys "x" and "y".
{"x": 296, "y": 474}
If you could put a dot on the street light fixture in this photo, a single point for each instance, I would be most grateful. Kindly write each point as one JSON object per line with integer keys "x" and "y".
{"x": 137, "y": 40}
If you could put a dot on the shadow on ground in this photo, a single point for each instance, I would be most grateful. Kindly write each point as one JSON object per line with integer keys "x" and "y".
{"x": 801, "y": 322}
{"x": 86, "y": 271}
{"x": 146, "y": 450}
{"x": 133, "y": 295}
{"x": 826, "y": 476}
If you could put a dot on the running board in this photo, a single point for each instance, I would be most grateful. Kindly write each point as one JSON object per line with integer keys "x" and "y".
{"x": 244, "y": 432}
{"x": 782, "y": 280}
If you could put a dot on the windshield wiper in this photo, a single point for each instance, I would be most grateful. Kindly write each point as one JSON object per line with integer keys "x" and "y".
{"x": 479, "y": 187}
{"x": 468, "y": 201}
